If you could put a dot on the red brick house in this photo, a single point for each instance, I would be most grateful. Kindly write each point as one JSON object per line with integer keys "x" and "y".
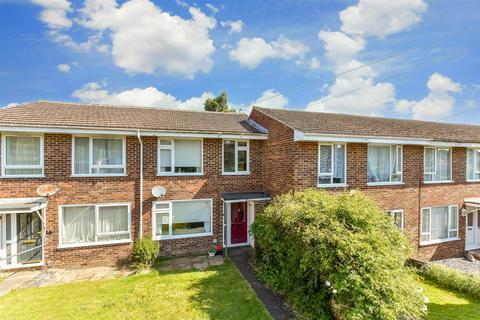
{"x": 210, "y": 172}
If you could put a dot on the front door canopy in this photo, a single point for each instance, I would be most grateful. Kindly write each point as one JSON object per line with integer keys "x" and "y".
{"x": 232, "y": 197}
{"x": 14, "y": 205}
{"x": 472, "y": 202}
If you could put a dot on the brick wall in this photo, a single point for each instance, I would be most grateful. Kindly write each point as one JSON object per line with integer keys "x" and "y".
{"x": 92, "y": 190}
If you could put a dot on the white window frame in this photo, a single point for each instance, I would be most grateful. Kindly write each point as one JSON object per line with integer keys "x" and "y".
{"x": 4, "y": 158}
{"x": 449, "y": 218}
{"x": 330, "y": 174}
{"x": 435, "y": 171}
{"x": 390, "y": 182}
{"x": 97, "y": 233}
{"x": 476, "y": 168}
{"x": 172, "y": 148}
{"x": 402, "y": 214}
{"x": 169, "y": 210}
{"x": 90, "y": 158}
{"x": 237, "y": 149}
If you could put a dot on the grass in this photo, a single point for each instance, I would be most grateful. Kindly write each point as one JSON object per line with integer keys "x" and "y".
{"x": 217, "y": 293}
{"x": 448, "y": 305}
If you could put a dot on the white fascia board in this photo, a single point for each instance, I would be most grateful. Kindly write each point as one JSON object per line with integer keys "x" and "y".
{"x": 133, "y": 132}
{"x": 301, "y": 136}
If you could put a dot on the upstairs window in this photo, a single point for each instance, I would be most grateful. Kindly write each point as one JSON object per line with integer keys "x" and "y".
{"x": 439, "y": 224}
{"x": 179, "y": 156}
{"x": 437, "y": 165}
{"x": 236, "y": 156}
{"x": 22, "y": 156}
{"x": 331, "y": 164}
{"x": 385, "y": 163}
{"x": 98, "y": 156}
{"x": 473, "y": 164}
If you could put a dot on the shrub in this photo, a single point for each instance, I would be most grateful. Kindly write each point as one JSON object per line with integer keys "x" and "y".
{"x": 336, "y": 255}
{"x": 144, "y": 252}
{"x": 452, "y": 279}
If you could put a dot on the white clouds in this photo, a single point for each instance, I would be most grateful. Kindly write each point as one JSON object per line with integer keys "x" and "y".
{"x": 380, "y": 18}
{"x": 438, "y": 103}
{"x": 157, "y": 40}
{"x": 250, "y": 52}
{"x": 95, "y": 92}
{"x": 54, "y": 13}
{"x": 212, "y": 8}
{"x": 339, "y": 47}
{"x": 313, "y": 64}
{"x": 275, "y": 100}
{"x": 64, "y": 67}
{"x": 234, "y": 26}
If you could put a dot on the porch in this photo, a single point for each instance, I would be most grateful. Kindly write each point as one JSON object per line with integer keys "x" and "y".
{"x": 472, "y": 236}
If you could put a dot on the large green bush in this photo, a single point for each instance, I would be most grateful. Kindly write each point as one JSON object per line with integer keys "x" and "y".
{"x": 336, "y": 255}
{"x": 144, "y": 252}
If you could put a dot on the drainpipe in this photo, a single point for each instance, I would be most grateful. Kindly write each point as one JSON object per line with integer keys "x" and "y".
{"x": 141, "y": 184}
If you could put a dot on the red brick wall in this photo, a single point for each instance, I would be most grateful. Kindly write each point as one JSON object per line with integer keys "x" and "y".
{"x": 92, "y": 190}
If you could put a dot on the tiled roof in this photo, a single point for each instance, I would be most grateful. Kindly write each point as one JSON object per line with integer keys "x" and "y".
{"x": 343, "y": 124}
{"x": 75, "y": 115}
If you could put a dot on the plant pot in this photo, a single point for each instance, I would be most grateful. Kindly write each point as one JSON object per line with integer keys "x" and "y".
{"x": 211, "y": 253}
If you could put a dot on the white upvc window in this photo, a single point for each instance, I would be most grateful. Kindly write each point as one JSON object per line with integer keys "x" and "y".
{"x": 385, "y": 164}
{"x": 332, "y": 164}
{"x": 437, "y": 165}
{"x": 398, "y": 217}
{"x": 182, "y": 219}
{"x": 439, "y": 224}
{"x": 98, "y": 156}
{"x": 473, "y": 164}
{"x": 235, "y": 157}
{"x": 179, "y": 157}
{"x": 94, "y": 224}
{"x": 22, "y": 155}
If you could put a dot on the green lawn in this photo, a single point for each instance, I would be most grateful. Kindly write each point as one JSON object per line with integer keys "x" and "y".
{"x": 218, "y": 293}
{"x": 447, "y": 305}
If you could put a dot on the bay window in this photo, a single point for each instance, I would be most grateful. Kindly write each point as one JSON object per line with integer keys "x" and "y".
{"x": 236, "y": 157}
{"x": 22, "y": 156}
{"x": 437, "y": 166}
{"x": 98, "y": 156}
{"x": 179, "y": 156}
{"x": 182, "y": 218}
{"x": 94, "y": 224}
{"x": 473, "y": 164}
{"x": 331, "y": 164}
{"x": 385, "y": 163}
{"x": 439, "y": 224}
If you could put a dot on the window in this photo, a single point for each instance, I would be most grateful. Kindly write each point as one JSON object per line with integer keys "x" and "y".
{"x": 94, "y": 224}
{"x": 182, "y": 218}
{"x": 98, "y": 156}
{"x": 22, "y": 156}
{"x": 385, "y": 164}
{"x": 397, "y": 215}
{"x": 473, "y": 164}
{"x": 236, "y": 157}
{"x": 437, "y": 166}
{"x": 331, "y": 164}
{"x": 179, "y": 156}
{"x": 439, "y": 224}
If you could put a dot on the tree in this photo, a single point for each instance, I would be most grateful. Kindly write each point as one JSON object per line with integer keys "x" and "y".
{"x": 218, "y": 104}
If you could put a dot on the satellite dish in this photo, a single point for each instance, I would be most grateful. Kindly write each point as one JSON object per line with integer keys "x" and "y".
{"x": 158, "y": 191}
{"x": 46, "y": 190}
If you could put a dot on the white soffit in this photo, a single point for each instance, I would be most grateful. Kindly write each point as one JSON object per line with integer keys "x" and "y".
{"x": 474, "y": 202}
{"x": 14, "y": 205}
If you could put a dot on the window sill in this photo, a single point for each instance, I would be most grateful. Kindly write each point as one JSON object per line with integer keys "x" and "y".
{"x": 98, "y": 175}
{"x": 473, "y": 180}
{"x": 438, "y": 182}
{"x": 236, "y": 173}
{"x": 180, "y": 174}
{"x": 428, "y": 243}
{"x": 375, "y": 184}
{"x": 340, "y": 185}
{"x": 93, "y": 244}
{"x": 197, "y": 235}
{"x": 22, "y": 177}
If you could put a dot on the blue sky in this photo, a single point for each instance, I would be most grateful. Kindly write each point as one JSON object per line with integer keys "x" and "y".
{"x": 284, "y": 54}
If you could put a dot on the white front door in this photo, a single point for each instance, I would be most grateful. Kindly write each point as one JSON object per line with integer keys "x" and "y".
{"x": 473, "y": 230}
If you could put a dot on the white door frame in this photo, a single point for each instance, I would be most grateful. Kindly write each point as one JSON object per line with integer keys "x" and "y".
{"x": 250, "y": 218}
{"x": 475, "y": 229}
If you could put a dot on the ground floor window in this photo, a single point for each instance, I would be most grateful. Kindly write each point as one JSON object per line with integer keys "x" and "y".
{"x": 439, "y": 224}
{"x": 94, "y": 224}
{"x": 182, "y": 218}
{"x": 397, "y": 215}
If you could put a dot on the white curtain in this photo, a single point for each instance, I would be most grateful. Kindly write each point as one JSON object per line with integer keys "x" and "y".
{"x": 439, "y": 228}
{"x": 471, "y": 159}
{"x": 107, "y": 151}
{"x": 112, "y": 219}
{"x": 23, "y": 151}
{"x": 429, "y": 160}
{"x": 165, "y": 160}
{"x": 326, "y": 159}
{"x": 443, "y": 165}
{"x": 81, "y": 160}
{"x": 188, "y": 154}
{"x": 78, "y": 224}
{"x": 378, "y": 163}
{"x": 191, "y": 212}
{"x": 339, "y": 163}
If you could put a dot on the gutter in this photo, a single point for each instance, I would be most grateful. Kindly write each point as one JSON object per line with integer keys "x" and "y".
{"x": 141, "y": 184}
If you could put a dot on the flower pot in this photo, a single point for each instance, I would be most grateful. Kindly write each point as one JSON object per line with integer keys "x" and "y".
{"x": 211, "y": 253}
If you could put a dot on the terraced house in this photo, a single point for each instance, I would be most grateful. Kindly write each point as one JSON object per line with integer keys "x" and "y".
{"x": 80, "y": 182}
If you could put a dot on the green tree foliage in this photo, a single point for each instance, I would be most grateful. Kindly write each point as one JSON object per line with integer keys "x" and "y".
{"x": 336, "y": 256}
{"x": 218, "y": 104}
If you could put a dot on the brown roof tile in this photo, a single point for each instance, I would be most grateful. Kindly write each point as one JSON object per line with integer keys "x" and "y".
{"x": 75, "y": 115}
{"x": 344, "y": 124}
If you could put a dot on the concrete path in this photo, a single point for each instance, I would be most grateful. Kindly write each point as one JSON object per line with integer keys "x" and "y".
{"x": 191, "y": 262}
{"x": 462, "y": 264}
{"x": 275, "y": 304}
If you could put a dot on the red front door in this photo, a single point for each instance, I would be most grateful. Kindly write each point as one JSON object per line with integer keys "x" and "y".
{"x": 238, "y": 222}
